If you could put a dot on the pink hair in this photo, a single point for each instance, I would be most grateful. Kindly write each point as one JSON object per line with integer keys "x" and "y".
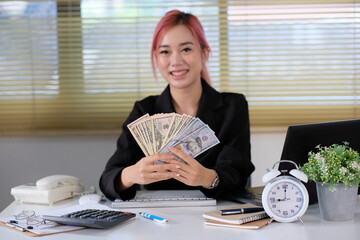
{"x": 171, "y": 19}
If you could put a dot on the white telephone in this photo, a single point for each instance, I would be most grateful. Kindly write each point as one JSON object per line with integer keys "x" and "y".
{"x": 48, "y": 190}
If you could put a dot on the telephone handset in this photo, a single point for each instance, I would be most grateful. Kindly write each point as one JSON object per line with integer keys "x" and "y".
{"x": 48, "y": 190}
{"x": 54, "y": 181}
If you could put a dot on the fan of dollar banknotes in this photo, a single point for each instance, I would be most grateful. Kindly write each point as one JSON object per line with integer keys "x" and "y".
{"x": 156, "y": 133}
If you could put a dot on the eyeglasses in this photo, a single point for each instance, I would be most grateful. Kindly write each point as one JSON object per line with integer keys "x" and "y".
{"x": 30, "y": 217}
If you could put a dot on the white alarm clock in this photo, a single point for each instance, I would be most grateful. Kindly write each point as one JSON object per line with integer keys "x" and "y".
{"x": 285, "y": 198}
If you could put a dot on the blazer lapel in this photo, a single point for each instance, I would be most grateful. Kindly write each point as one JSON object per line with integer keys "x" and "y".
{"x": 210, "y": 101}
{"x": 163, "y": 103}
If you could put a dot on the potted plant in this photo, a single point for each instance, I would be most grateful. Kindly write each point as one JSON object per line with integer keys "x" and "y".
{"x": 336, "y": 171}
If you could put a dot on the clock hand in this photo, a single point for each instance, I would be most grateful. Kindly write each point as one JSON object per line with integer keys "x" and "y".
{"x": 285, "y": 198}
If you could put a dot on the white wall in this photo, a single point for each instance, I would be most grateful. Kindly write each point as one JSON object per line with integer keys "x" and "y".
{"x": 266, "y": 149}
{"x": 26, "y": 159}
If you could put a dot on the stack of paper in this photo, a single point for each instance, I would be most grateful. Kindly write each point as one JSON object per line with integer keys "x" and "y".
{"x": 253, "y": 220}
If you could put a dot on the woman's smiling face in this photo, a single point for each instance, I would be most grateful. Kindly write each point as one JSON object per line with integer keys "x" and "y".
{"x": 180, "y": 58}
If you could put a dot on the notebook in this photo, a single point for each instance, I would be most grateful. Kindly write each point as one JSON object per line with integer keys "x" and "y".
{"x": 235, "y": 218}
{"x": 250, "y": 225}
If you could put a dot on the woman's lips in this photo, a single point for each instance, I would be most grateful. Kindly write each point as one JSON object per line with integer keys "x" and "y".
{"x": 178, "y": 73}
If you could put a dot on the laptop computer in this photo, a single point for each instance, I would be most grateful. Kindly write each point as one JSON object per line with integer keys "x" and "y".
{"x": 301, "y": 139}
{"x": 249, "y": 195}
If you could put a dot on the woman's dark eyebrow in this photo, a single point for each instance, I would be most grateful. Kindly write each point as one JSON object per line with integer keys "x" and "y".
{"x": 186, "y": 43}
{"x": 181, "y": 44}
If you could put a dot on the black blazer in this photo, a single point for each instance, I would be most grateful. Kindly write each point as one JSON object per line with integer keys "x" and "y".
{"x": 225, "y": 113}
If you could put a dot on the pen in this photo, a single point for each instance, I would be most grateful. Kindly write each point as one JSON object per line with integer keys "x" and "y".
{"x": 13, "y": 225}
{"x": 240, "y": 210}
{"x": 152, "y": 217}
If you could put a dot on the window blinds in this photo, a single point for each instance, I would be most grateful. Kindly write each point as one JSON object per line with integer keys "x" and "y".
{"x": 81, "y": 65}
{"x": 296, "y": 63}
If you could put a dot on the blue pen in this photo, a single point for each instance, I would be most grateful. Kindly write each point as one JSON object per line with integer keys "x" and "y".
{"x": 152, "y": 217}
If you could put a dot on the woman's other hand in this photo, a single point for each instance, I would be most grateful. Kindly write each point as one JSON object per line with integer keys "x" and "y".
{"x": 148, "y": 170}
{"x": 191, "y": 172}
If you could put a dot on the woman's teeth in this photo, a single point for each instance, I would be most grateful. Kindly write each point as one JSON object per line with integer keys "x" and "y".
{"x": 179, "y": 73}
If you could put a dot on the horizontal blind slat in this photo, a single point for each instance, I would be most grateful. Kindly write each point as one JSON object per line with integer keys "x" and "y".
{"x": 67, "y": 65}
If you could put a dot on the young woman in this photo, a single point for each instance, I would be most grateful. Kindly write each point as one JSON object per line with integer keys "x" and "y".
{"x": 180, "y": 52}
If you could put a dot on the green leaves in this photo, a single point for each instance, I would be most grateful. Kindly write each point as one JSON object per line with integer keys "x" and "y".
{"x": 333, "y": 164}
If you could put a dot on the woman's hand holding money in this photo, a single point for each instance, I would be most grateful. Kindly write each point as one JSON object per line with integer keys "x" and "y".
{"x": 146, "y": 171}
{"x": 191, "y": 172}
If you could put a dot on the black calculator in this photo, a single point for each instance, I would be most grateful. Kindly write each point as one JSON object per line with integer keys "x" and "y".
{"x": 92, "y": 218}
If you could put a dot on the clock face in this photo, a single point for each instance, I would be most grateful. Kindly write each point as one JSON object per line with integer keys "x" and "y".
{"x": 285, "y": 199}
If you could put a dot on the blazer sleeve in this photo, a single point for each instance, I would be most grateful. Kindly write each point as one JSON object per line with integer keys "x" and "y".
{"x": 127, "y": 153}
{"x": 233, "y": 162}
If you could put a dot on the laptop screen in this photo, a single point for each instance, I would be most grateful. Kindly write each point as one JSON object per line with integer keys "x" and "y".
{"x": 301, "y": 139}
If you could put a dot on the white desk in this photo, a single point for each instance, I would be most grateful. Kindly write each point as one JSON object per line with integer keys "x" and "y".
{"x": 188, "y": 223}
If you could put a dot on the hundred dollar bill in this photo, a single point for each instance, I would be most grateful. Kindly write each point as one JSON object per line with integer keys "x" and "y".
{"x": 138, "y": 133}
{"x": 198, "y": 142}
{"x": 185, "y": 119}
{"x": 158, "y": 132}
{"x": 195, "y": 143}
{"x": 161, "y": 126}
{"x": 138, "y": 120}
{"x": 173, "y": 126}
{"x": 145, "y": 127}
{"x": 191, "y": 127}
{"x": 138, "y": 128}
{"x": 133, "y": 130}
